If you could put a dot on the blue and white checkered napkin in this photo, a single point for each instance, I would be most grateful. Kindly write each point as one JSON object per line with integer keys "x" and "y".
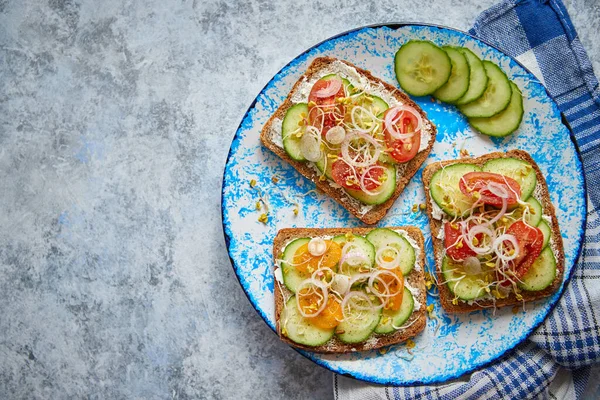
{"x": 562, "y": 357}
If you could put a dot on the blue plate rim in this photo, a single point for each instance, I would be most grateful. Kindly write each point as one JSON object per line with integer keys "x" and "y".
{"x": 506, "y": 353}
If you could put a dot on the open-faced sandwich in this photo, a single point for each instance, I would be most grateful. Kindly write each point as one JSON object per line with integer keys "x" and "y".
{"x": 358, "y": 138}
{"x": 349, "y": 289}
{"x": 495, "y": 234}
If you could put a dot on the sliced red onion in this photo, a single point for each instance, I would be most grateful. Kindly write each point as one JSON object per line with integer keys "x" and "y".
{"x": 497, "y": 189}
{"x": 365, "y": 175}
{"x": 360, "y": 295}
{"x": 507, "y": 237}
{"x": 472, "y": 266}
{"x": 501, "y": 213}
{"x": 341, "y": 283}
{"x": 474, "y": 231}
{"x": 317, "y": 246}
{"x": 310, "y": 145}
{"x": 362, "y": 110}
{"x": 364, "y": 153}
{"x": 336, "y": 135}
{"x": 390, "y": 122}
{"x": 319, "y": 285}
{"x": 358, "y": 278}
{"x": 333, "y": 86}
{"x": 387, "y": 264}
{"x": 375, "y": 275}
{"x": 318, "y": 274}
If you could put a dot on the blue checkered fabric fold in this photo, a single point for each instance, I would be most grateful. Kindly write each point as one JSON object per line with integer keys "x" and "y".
{"x": 541, "y": 36}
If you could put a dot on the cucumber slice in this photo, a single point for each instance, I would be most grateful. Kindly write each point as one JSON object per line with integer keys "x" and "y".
{"x": 446, "y": 192}
{"x": 521, "y": 171}
{"x": 289, "y": 128}
{"x": 375, "y": 104}
{"x": 299, "y": 329}
{"x": 358, "y": 325}
{"x": 478, "y": 79}
{"x": 324, "y": 165}
{"x": 421, "y": 67}
{"x": 505, "y": 122}
{"x": 396, "y": 318}
{"x": 361, "y": 245}
{"x": 545, "y": 228}
{"x": 291, "y": 276}
{"x": 495, "y": 98}
{"x": 542, "y": 272}
{"x": 387, "y": 189}
{"x": 458, "y": 84}
{"x": 347, "y": 85}
{"x": 535, "y": 212}
{"x": 469, "y": 287}
{"x": 383, "y": 237}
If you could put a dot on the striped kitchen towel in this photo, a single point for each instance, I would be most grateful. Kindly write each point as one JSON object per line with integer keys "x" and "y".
{"x": 562, "y": 357}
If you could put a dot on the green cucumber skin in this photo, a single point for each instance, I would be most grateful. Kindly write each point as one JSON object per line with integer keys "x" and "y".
{"x": 382, "y": 237}
{"x": 535, "y": 218}
{"x": 541, "y": 274}
{"x": 312, "y": 336}
{"x": 351, "y": 334}
{"x": 458, "y": 83}
{"x": 546, "y": 231}
{"x": 362, "y": 243}
{"x": 451, "y": 175}
{"x": 398, "y": 317}
{"x": 510, "y": 167}
{"x": 506, "y": 122}
{"x": 291, "y": 144}
{"x": 291, "y": 276}
{"x": 467, "y": 289}
{"x": 389, "y": 187}
{"x": 488, "y": 104}
{"x": 409, "y": 50}
{"x": 478, "y": 78}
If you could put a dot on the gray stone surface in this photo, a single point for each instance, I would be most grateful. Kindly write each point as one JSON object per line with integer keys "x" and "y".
{"x": 115, "y": 121}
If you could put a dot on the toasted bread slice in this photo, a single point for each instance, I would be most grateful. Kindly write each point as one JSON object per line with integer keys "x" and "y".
{"x": 405, "y": 171}
{"x": 436, "y": 225}
{"x": 416, "y": 279}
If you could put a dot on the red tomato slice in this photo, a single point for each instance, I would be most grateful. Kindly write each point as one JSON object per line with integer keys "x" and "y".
{"x": 455, "y": 248}
{"x": 326, "y": 113}
{"x": 478, "y": 182}
{"x": 530, "y": 241}
{"x": 345, "y": 176}
{"x": 403, "y": 150}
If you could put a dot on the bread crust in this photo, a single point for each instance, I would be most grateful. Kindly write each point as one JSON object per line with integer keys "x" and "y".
{"x": 446, "y": 295}
{"x": 415, "y": 278}
{"x": 377, "y": 212}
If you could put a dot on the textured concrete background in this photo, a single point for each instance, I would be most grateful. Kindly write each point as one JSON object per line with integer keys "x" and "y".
{"x": 115, "y": 121}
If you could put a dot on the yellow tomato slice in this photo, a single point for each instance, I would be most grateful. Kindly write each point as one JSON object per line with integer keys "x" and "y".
{"x": 395, "y": 286}
{"x": 307, "y": 263}
{"x": 331, "y": 316}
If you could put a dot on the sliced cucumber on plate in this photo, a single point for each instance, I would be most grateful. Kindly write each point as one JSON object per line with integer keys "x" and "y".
{"x": 495, "y": 98}
{"x": 299, "y": 329}
{"x": 421, "y": 67}
{"x": 478, "y": 79}
{"x": 384, "y": 192}
{"x": 542, "y": 272}
{"x": 458, "y": 83}
{"x": 505, "y": 122}
{"x": 445, "y": 189}
{"x": 391, "y": 318}
{"x": 291, "y": 276}
{"x": 290, "y": 127}
{"x": 383, "y": 237}
{"x": 521, "y": 171}
{"x": 464, "y": 286}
